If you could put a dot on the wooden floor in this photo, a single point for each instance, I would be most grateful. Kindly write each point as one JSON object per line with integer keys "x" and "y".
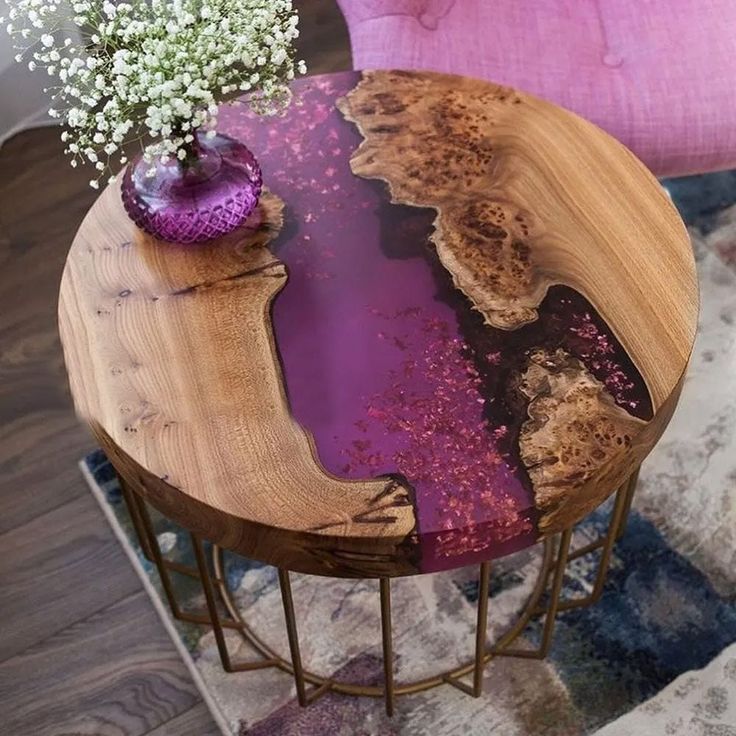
{"x": 82, "y": 650}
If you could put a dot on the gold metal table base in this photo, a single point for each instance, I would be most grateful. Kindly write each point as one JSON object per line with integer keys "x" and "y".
{"x": 310, "y": 686}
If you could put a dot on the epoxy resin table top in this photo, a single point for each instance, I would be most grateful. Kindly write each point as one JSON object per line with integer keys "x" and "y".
{"x": 458, "y": 320}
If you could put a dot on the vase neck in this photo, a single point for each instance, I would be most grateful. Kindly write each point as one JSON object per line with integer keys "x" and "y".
{"x": 202, "y": 160}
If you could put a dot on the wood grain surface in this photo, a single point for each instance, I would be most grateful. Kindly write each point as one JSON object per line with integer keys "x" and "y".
{"x": 202, "y": 445}
{"x": 138, "y": 683}
{"x": 41, "y": 587}
{"x": 173, "y": 362}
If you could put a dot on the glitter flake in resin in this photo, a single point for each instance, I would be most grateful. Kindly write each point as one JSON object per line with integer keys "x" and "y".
{"x": 384, "y": 361}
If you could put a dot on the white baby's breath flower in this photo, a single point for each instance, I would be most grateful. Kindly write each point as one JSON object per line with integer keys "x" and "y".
{"x": 154, "y": 71}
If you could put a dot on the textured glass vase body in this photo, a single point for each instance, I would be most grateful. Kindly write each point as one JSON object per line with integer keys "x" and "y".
{"x": 209, "y": 194}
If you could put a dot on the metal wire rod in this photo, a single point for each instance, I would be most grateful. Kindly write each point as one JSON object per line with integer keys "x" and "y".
{"x": 386, "y": 635}
{"x": 481, "y": 627}
{"x": 291, "y": 631}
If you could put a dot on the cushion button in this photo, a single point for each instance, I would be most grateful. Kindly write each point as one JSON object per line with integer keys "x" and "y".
{"x": 613, "y": 60}
{"x": 429, "y": 21}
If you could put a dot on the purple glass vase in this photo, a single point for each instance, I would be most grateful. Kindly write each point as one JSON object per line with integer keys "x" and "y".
{"x": 207, "y": 195}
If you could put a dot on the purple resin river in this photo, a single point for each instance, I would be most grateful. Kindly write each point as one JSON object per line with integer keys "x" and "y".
{"x": 384, "y": 361}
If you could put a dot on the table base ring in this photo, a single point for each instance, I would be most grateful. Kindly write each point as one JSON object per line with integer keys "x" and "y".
{"x": 553, "y": 565}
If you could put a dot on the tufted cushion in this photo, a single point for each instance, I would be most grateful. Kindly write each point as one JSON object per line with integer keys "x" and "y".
{"x": 660, "y": 75}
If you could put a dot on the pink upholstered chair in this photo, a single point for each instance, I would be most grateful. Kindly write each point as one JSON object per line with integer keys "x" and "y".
{"x": 660, "y": 75}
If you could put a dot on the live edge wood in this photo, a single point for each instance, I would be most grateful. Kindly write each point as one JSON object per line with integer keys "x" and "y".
{"x": 172, "y": 359}
{"x": 198, "y": 438}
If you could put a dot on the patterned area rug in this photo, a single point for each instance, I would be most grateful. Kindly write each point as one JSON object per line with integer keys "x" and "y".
{"x": 655, "y": 656}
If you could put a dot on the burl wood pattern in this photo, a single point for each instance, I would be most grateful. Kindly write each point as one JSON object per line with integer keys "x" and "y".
{"x": 574, "y": 429}
{"x": 416, "y": 124}
{"x": 197, "y": 437}
{"x": 528, "y": 196}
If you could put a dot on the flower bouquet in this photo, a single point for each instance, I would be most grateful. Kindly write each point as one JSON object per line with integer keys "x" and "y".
{"x": 153, "y": 73}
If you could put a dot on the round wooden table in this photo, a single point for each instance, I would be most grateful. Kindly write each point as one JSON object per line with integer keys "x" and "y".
{"x": 458, "y": 321}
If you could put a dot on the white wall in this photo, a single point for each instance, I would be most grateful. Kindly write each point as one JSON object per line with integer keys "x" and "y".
{"x": 22, "y": 100}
